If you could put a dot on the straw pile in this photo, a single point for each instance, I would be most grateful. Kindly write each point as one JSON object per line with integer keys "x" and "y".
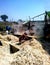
{"x": 9, "y": 38}
{"x": 31, "y": 56}
{"x": 31, "y": 53}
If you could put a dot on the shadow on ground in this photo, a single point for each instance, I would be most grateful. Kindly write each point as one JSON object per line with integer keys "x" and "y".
{"x": 45, "y": 44}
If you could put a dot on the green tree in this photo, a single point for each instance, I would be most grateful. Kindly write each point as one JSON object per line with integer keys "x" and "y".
{"x": 4, "y": 17}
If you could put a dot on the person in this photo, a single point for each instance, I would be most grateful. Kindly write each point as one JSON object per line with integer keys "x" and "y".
{"x": 23, "y": 37}
{"x": 8, "y": 29}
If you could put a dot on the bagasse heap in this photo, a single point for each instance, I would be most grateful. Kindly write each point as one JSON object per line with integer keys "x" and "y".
{"x": 30, "y": 53}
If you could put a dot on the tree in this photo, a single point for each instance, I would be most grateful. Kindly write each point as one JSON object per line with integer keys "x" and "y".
{"x": 4, "y": 17}
{"x": 20, "y": 21}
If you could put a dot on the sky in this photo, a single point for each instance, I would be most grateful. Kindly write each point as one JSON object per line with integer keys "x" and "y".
{"x": 22, "y": 9}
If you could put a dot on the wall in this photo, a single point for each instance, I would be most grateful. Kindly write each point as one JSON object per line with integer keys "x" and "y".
{"x": 38, "y": 28}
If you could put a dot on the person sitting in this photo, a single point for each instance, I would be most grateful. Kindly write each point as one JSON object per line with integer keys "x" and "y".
{"x": 23, "y": 37}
